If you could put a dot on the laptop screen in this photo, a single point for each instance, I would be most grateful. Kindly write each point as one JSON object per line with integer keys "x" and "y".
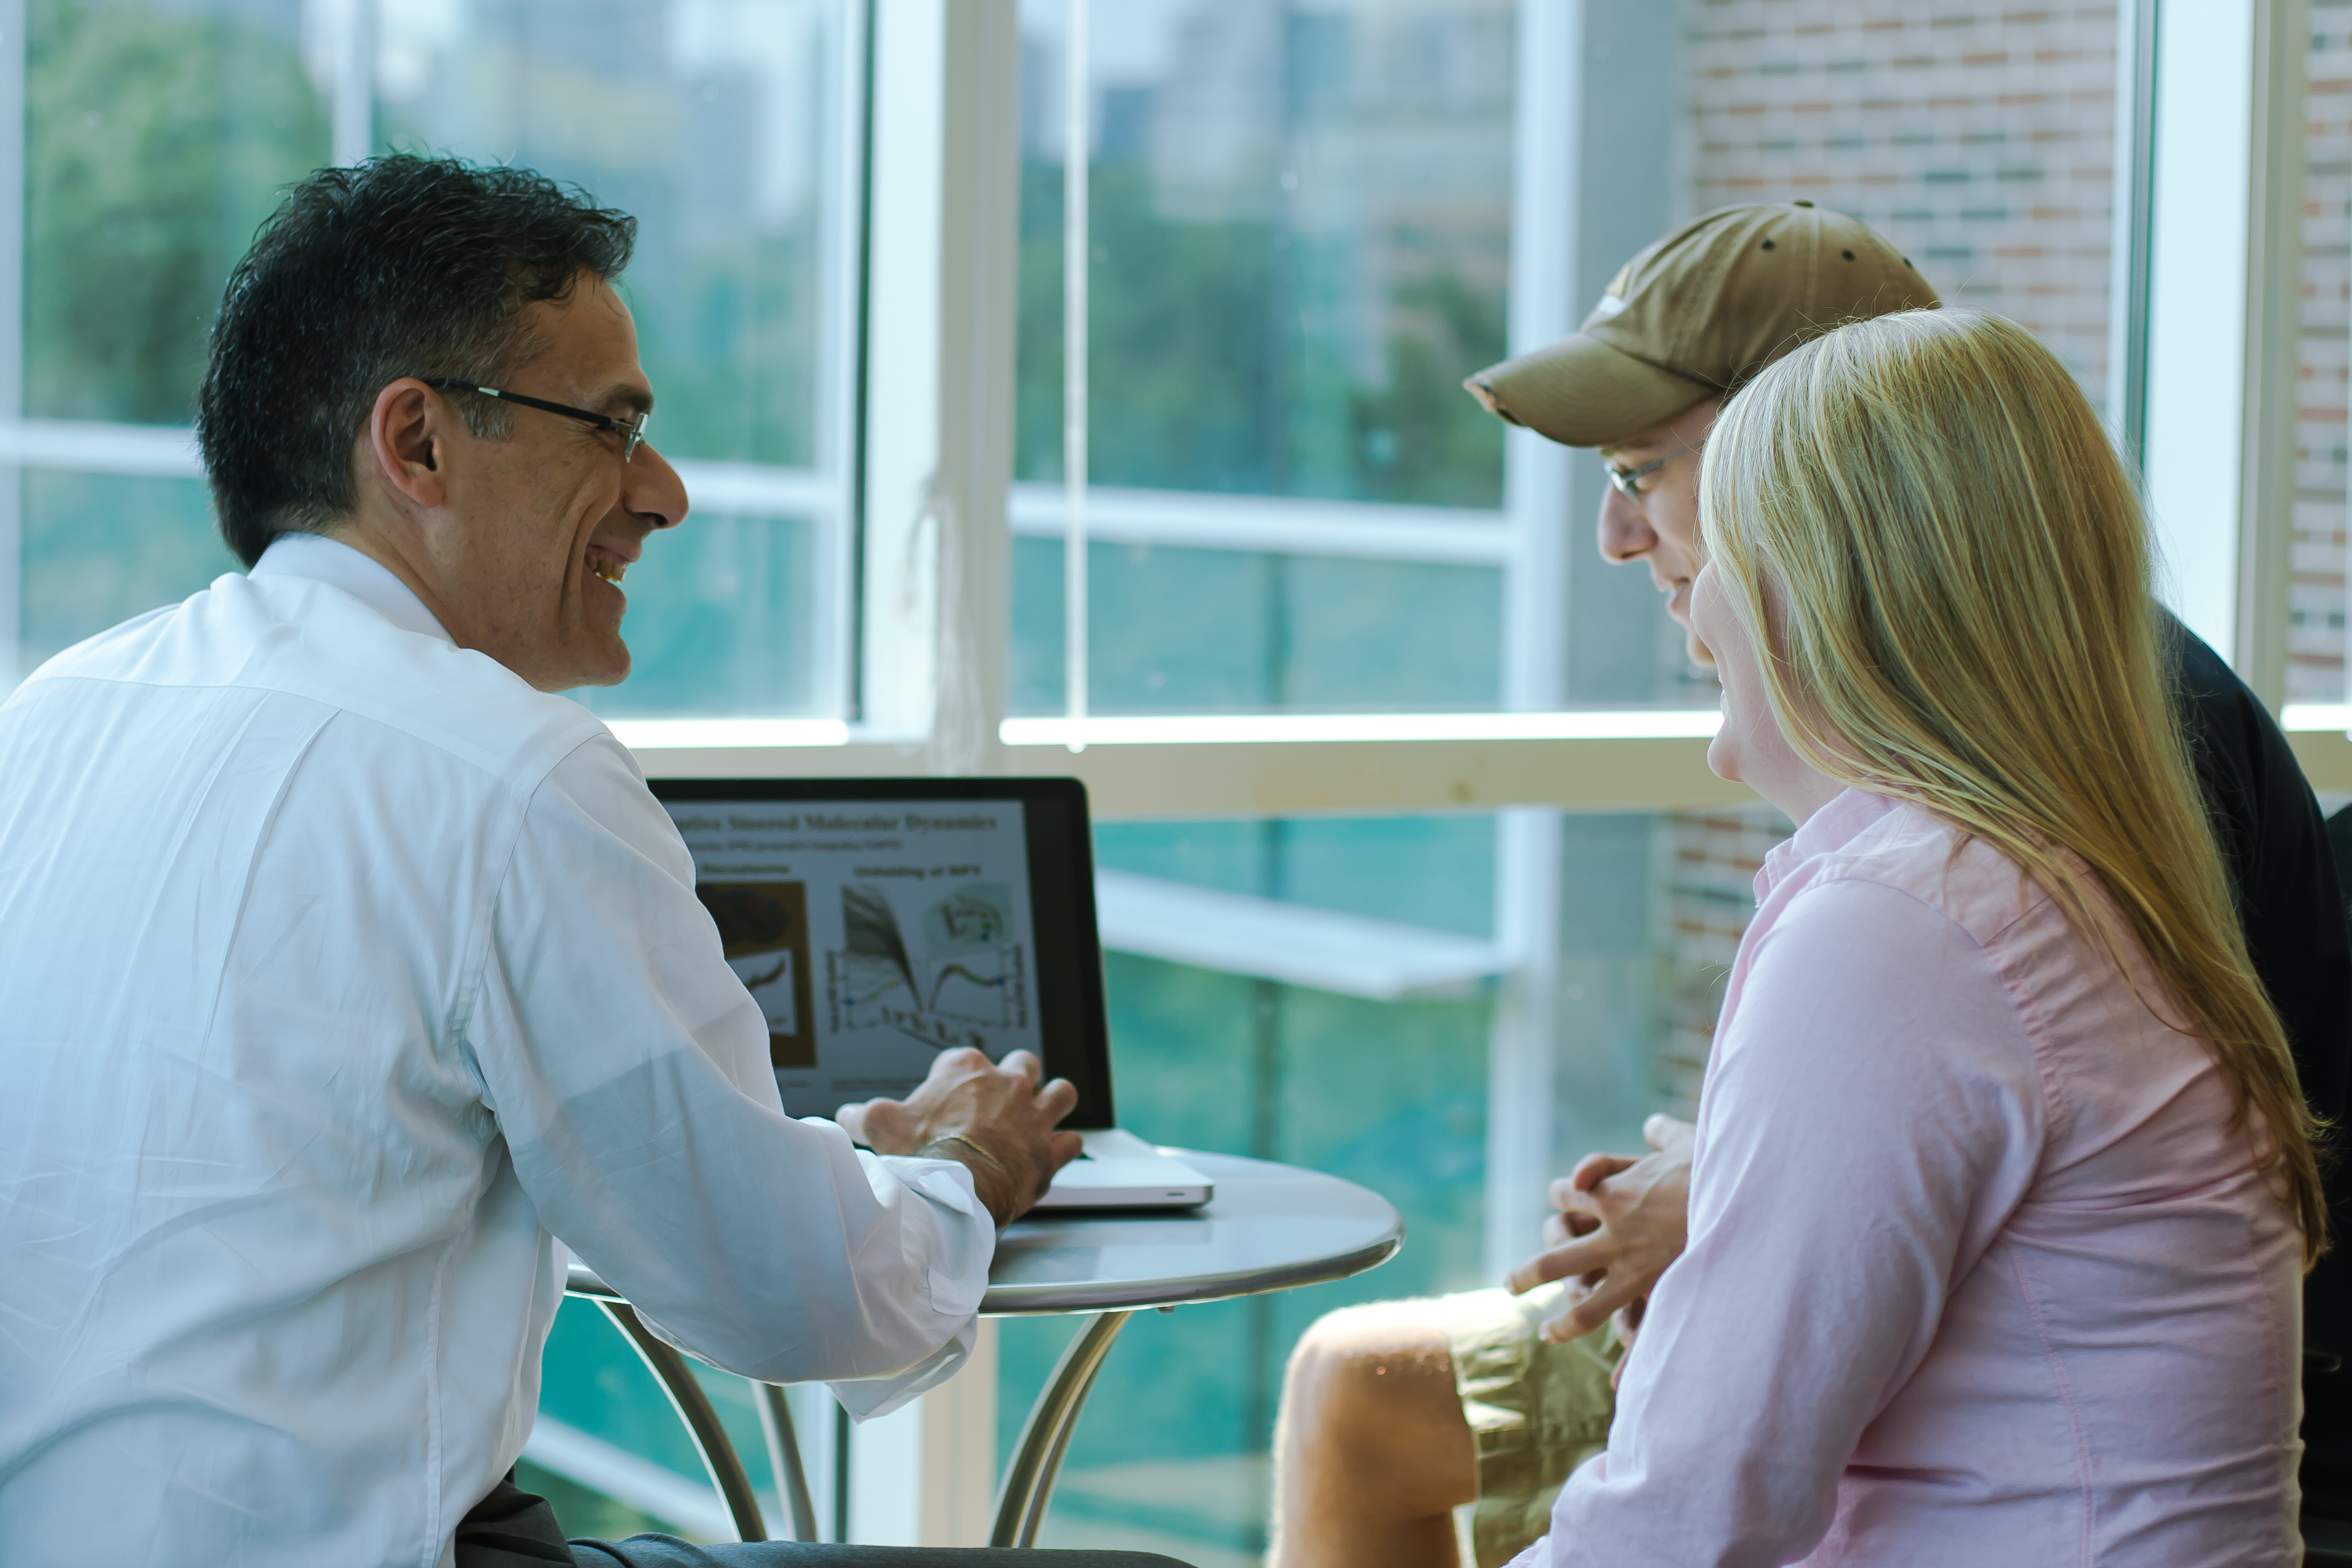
{"x": 878, "y": 922}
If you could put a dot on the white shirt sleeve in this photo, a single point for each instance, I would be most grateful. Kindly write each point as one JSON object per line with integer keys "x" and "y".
{"x": 1873, "y": 1116}
{"x": 628, "y": 1070}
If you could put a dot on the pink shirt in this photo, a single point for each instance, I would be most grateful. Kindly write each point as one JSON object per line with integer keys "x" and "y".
{"x": 1977, "y": 1274}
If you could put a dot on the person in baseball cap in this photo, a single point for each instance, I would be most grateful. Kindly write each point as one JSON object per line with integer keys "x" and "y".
{"x": 1683, "y": 326}
{"x": 1395, "y": 1413}
{"x": 1696, "y": 315}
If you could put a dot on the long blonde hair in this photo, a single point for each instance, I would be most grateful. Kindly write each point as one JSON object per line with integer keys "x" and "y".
{"x": 1957, "y": 573}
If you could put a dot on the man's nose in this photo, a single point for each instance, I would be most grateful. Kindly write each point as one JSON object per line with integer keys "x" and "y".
{"x": 651, "y": 489}
{"x": 1625, "y": 534}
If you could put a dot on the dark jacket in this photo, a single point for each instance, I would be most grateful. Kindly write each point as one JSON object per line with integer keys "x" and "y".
{"x": 2283, "y": 870}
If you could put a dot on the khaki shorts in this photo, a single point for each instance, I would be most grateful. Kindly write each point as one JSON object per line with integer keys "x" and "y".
{"x": 1538, "y": 1410}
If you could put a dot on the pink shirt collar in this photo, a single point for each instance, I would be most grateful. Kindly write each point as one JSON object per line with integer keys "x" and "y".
{"x": 1832, "y": 828}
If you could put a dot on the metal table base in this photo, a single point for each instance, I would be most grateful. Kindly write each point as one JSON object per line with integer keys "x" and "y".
{"x": 720, "y": 1460}
{"x": 1270, "y": 1227}
{"x": 1027, "y": 1489}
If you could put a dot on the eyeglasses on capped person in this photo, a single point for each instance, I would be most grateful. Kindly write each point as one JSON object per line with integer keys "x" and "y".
{"x": 1629, "y": 480}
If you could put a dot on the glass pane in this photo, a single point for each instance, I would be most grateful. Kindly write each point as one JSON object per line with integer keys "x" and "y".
{"x": 1174, "y": 1438}
{"x": 157, "y": 137}
{"x": 1300, "y": 217}
{"x": 100, "y": 548}
{"x": 717, "y": 622}
{"x": 2315, "y": 629}
{"x": 1436, "y": 871}
{"x": 610, "y": 1453}
{"x": 1182, "y": 630}
{"x": 708, "y": 120}
{"x": 1171, "y": 1455}
{"x": 593, "y": 1381}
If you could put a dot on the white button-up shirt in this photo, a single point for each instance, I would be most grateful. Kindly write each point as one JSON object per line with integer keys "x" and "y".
{"x": 341, "y": 973}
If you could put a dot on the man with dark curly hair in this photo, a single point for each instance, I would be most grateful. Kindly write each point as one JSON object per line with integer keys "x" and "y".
{"x": 350, "y": 966}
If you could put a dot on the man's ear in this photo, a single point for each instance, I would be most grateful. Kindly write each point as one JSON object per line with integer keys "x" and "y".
{"x": 408, "y": 438}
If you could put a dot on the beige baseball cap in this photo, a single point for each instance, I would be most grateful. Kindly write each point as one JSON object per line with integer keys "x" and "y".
{"x": 1697, "y": 314}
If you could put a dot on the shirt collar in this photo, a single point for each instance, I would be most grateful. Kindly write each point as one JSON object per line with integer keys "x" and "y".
{"x": 1832, "y": 828}
{"x": 364, "y": 578}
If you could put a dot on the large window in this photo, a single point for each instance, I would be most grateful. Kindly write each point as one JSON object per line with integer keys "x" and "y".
{"x": 1305, "y": 221}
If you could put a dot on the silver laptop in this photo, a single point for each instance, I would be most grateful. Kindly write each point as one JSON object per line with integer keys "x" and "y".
{"x": 880, "y": 922}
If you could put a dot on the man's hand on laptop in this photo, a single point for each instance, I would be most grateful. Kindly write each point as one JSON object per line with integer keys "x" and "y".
{"x": 1621, "y": 1221}
{"x": 996, "y": 1119}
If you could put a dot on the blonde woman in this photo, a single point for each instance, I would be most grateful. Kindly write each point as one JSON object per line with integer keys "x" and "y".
{"x": 2003, "y": 1187}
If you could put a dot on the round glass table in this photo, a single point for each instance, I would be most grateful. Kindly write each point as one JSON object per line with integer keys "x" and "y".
{"x": 1269, "y": 1227}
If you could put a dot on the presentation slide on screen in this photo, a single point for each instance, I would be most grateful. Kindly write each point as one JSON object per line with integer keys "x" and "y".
{"x": 873, "y": 936}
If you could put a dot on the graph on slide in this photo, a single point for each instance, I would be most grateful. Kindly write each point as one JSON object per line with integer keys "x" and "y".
{"x": 763, "y": 931}
{"x": 957, "y": 981}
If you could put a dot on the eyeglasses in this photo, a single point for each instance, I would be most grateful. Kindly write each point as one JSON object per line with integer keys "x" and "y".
{"x": 632, "y": 432}
{"x": 1629, "y": 480}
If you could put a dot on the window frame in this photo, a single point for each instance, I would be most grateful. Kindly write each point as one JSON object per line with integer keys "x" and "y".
{"x": 885, "y": 703}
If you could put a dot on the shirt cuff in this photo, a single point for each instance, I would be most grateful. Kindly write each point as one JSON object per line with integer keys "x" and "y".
{"x": 870, "y": 1397}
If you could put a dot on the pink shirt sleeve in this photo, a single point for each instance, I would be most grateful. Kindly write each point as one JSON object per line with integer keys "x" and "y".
{"x": 1873, "y": 1117}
